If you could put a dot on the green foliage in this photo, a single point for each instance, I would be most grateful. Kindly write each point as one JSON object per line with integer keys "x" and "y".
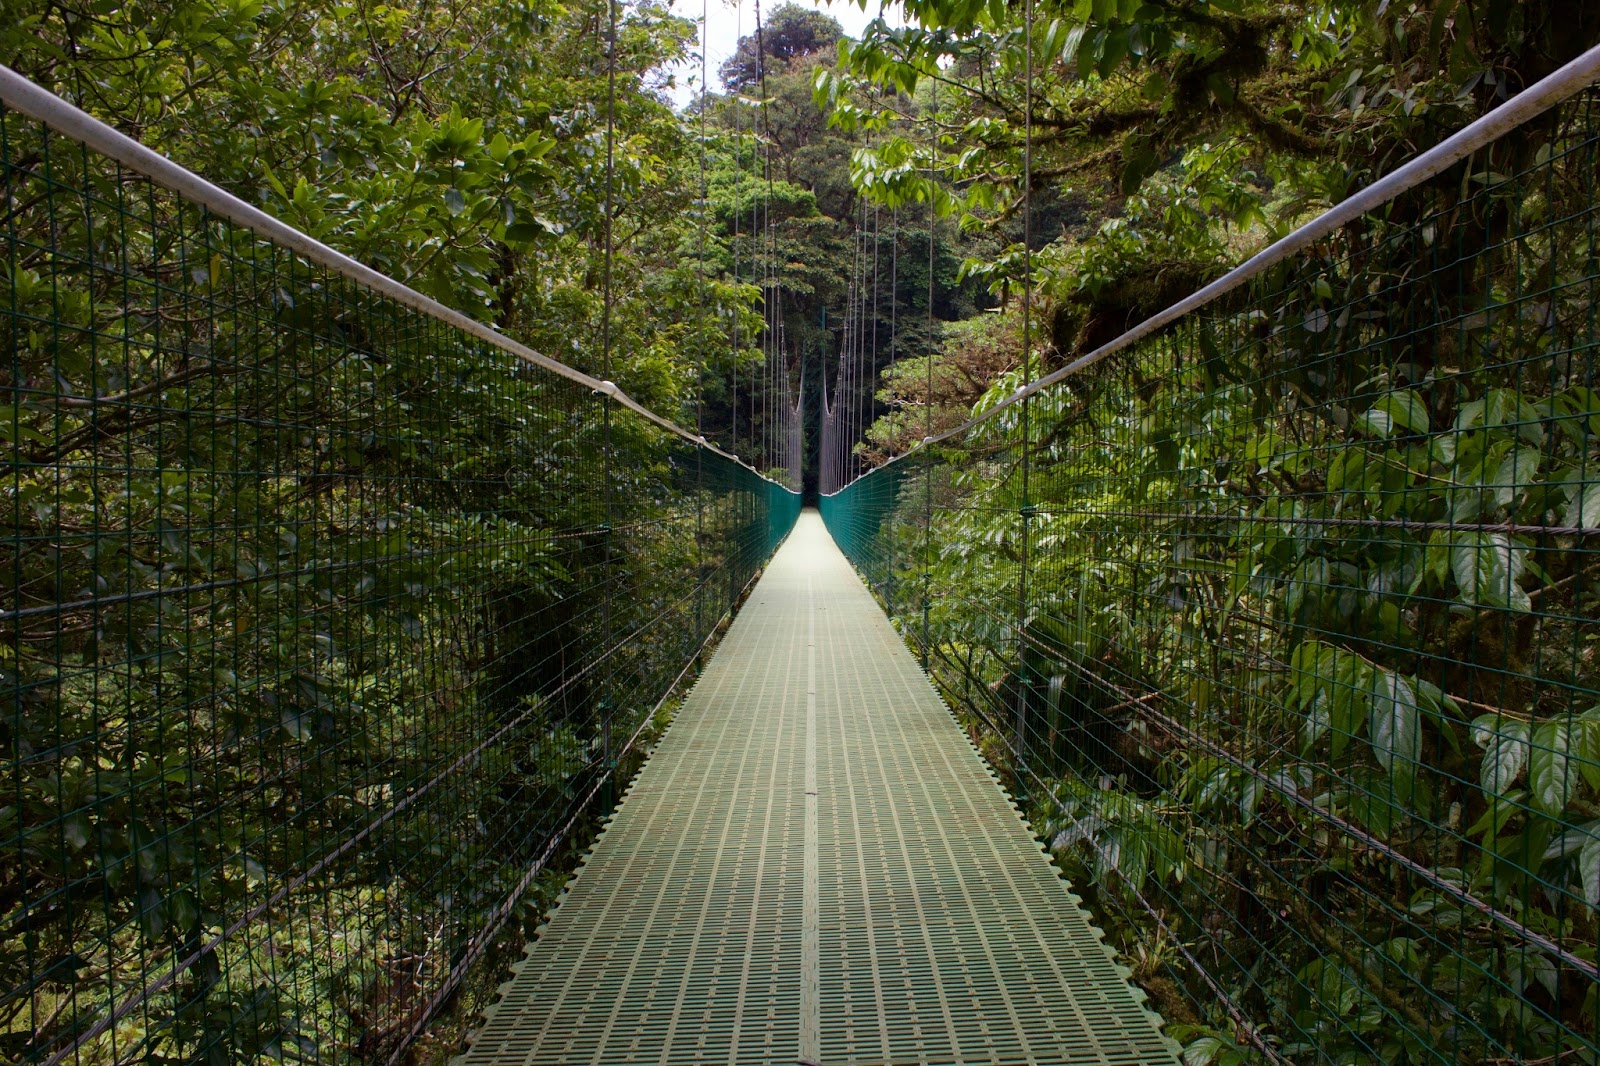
{"x": 791, "y": 38}
{"x": 775, "y": 167}
{"x": 1283, "y": 628}
{"x": 329, "y": 624}
{"x": 1168, "y": 139}
{"x": 457, "y": 147}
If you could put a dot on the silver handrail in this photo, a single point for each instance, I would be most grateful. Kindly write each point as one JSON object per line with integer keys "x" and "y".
{"x": 1533, "y": 101}
{"x": 21, "y": 95}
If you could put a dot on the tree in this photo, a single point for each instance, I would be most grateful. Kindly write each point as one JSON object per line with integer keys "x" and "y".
{"x": 791, "y": 36}
{"x": 778, "y": 168}
{"x": 1271, "y": 110}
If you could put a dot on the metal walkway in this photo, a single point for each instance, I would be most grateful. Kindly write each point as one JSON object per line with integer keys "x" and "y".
{"x": 816, "y": 866}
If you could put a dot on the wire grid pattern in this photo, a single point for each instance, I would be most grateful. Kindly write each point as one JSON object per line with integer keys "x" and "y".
{"x": 1287, "y": 627}
{"x": 815, "y": 864}
{"x": 325, "y": 623}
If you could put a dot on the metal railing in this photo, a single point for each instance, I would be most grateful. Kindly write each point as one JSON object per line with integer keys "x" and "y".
{"x": 1284, "y": 630}
{"x": 332, "y": 618}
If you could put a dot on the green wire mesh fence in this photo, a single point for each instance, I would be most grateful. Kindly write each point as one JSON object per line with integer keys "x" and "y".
{"x": 326, "y": 625}
{"x": 1286, "y": 628}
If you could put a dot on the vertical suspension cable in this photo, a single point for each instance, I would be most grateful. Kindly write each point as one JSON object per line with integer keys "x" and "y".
{"x": 1026, "y": 510}
{"x": 825, "y": 446}
{"x": 869, "y": 341}
{"x": 838, "y": 359}
{"x": 700, "y": 231}
{"x": 894, "y": 319}
{"x": 767, "y": 289}
{"x": 605, "y": 375}
{"x": 755, "y": 274}
{"x": 822, "y": 422}
{"x": 927, "y": 399}
{"x": 738, "y": 189}
{"x": 858, "y": 350}
{"x": 610, "y": 195}
{"x": 894, "y": 285}
{"x": 786, "y": 383}
{"x": 825, "y": 465}
{"x": 776, "y": 324}
{"x": 700, "y": 333}
{"x": 853, "y": 327}
{"x": 838, "y": 383}
{"x": 847, "y": 416}
{"x": 870, "y": 370}
{"x": 841, "y": 377}
{"x": 841, "y": 396}
{"x": 768, "y": 275}
{"x": 787, "y": 391}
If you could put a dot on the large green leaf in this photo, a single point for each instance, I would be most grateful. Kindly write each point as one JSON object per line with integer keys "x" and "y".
{"x": 1503, "y": 408}
{"x": 1550, "y": 776}
{"x": 1375, "y": 800}
{"x": 1502, "y": 810}
{"x": 1319, "y": 719}
{"x": 1396, "y": 412}
{"x": 1527, "y": 967}
{"x": 1582, "y": 405}
{"x": 1589, "y": 870}
{"x": 1584, "y": 507}
{"x": 1375, "y": 423}
{"x": 1487, "y": 567}
{"x": 1516, "y": 471}
{"x": 1587, "y": 746}
{"x": 1333, "y": 685}
{"x": 1505, "y": 750}
{"x": 1394, "y": 727}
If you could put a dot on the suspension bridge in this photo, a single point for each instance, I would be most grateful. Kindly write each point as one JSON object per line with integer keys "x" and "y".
{"x": 817, "y": 866}
{"x": 331, "y": 639}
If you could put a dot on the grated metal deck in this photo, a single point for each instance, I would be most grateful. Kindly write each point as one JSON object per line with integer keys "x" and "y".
{"x": 816, "y": 866}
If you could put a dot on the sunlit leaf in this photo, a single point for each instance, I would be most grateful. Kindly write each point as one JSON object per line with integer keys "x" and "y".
{"x": 1394, "y": 725}
{"x": 1583, "y": 510}
{"x": 1505, "y": 750}
{"x": 1550, "y": 777}
{"x": 1589, "y": 870}
{"x": 1487, "y": 567}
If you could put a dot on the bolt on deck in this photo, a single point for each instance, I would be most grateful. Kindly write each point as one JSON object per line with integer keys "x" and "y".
{"x": 817, "y": 866}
